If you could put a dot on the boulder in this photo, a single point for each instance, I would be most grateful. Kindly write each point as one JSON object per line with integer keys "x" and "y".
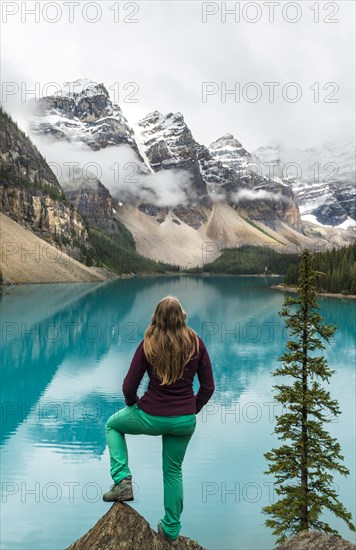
{"x": 314, "y": 540}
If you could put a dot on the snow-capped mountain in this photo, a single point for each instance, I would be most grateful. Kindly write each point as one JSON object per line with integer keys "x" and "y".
{"x": 181, "y": 185}
{"x": 169, "y": 145}
{"x": 82, "y": 112}
{"x": 323, "y": 179}
{"x": 230, "y": 152}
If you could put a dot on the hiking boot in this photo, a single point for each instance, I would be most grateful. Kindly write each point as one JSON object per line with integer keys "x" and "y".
{"x": 120, "y": 491}
{"x": 174, "y": 542}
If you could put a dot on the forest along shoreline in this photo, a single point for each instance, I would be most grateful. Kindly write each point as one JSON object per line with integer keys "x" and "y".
{"x": 332, "y": 294}
{"x": 6, "y": 285}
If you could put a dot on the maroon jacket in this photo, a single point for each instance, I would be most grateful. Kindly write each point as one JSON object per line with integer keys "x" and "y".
{"x": 172, "y": 399}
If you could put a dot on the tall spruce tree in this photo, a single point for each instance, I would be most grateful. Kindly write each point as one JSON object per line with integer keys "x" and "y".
{"x": 303, "y": 464}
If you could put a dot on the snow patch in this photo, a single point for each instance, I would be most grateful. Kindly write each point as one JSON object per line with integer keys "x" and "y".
{"x": 311, "y": 218}
{"x": 347, "y": 224}
{"x": 140, "y": 145}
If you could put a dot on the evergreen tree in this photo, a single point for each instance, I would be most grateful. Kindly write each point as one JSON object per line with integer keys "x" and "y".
{"x": 302, "y": 464}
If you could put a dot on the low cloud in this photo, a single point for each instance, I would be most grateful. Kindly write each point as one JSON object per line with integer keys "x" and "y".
{"x": 260, "y": 194}
{"x": 118, "y": 168}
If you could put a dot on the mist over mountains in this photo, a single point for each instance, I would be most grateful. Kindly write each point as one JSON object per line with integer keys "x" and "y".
{"x": 84, "y": 120}
{"x": 176, "y": 197}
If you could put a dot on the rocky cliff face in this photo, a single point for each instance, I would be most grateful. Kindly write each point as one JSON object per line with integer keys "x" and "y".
{"x": 92, "y": 199}
{"x": 322, "y": 178}
{"x": 169, "y": 145}
{"x": 31, "y": 195}
{"x": 20, "y": 159}
{"x": 49, "y": 219}
{"x": 26, "y": 258}
{"x": 123, "y": 527}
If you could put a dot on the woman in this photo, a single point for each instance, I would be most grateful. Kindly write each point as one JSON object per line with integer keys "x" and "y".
{"x": 172, "y": 353}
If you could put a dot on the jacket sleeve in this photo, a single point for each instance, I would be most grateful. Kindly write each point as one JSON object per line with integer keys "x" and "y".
{"x": 134, "y": 376}
{"x": 206, "y": 379}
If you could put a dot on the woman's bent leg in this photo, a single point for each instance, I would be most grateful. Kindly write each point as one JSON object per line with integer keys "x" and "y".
{"x": 173, "y": 452}
{"x": 121, "y": 422}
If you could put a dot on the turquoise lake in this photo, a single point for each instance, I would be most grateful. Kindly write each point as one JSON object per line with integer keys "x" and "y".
{"x": 65, "y": 349}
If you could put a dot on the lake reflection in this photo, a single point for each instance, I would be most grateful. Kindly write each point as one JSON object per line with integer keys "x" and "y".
{"x": 65, "y": 351}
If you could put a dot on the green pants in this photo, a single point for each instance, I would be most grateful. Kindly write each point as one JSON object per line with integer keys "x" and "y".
{"x": 176, "y": 432}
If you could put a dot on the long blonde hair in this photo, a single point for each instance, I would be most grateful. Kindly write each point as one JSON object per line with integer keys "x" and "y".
{"x": 168, "y": 342}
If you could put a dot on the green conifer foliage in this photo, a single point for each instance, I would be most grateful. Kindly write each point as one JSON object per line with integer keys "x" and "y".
{"x": 303, "y": 465}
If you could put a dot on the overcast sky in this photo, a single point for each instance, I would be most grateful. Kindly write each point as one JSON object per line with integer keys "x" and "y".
{"x": 169, "y": 53}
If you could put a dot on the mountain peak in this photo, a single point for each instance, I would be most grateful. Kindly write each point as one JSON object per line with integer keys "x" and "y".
{"x": 227, "y": 140}
{"x": 83, "y": 113}
{"x": 161, "y": 121}
{"x": 227, "y": 136}
{"x": 83, "y": 87}
{"x": 230, "y": 153}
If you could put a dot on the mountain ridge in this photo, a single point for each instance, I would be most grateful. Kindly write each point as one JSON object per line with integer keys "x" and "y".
{"x": 184, "y": 196}
{"x": 169, "y": 145}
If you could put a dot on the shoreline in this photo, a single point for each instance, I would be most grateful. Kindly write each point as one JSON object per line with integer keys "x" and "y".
{"x": 284, "y": 288}
{"x": 327, "y": 294}
{"x": 115, "y": 276}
